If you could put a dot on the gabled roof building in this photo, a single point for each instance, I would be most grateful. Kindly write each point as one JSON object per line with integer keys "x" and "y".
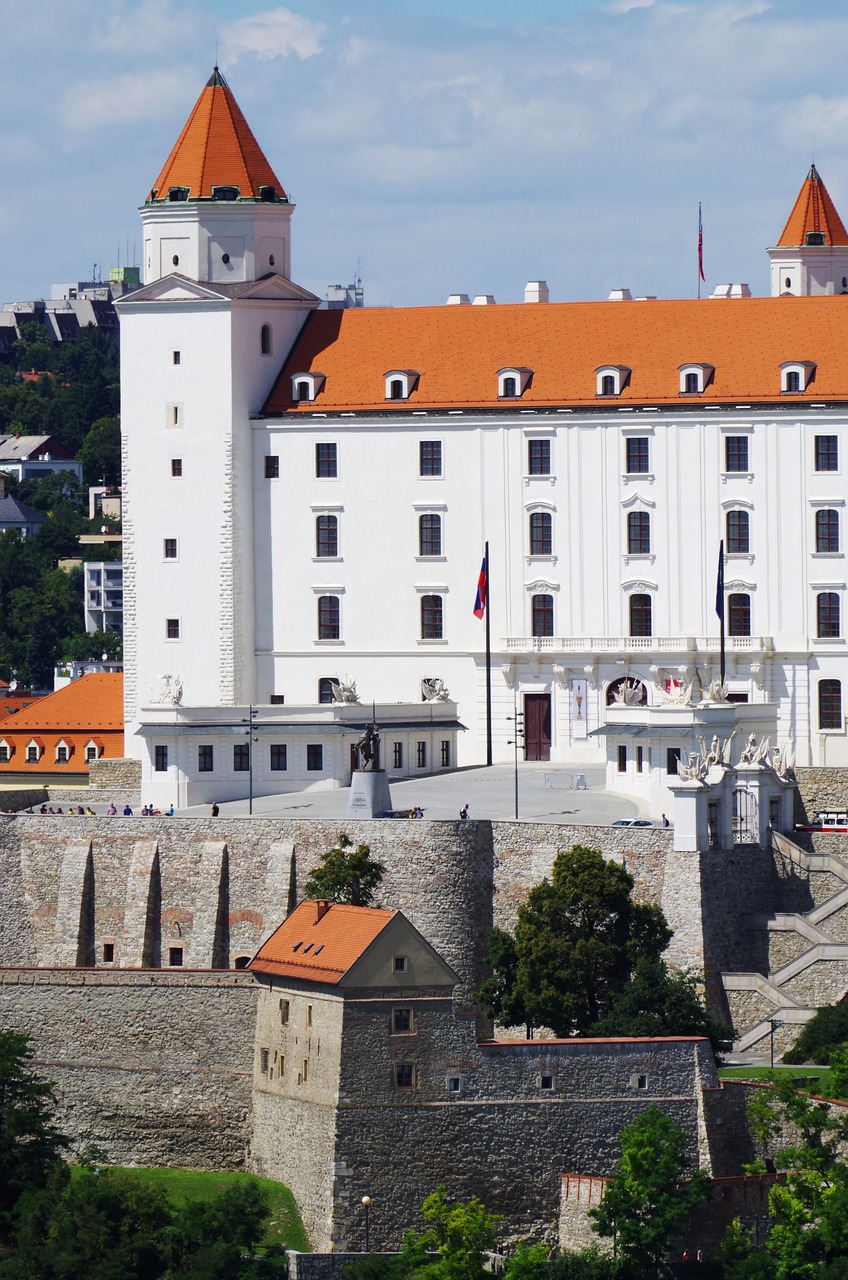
{"x": 332, "y": 477}
{"x": 60, "y": 734}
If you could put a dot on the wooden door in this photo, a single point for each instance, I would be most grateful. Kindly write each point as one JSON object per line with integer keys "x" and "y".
{"x": 537, "y": 726}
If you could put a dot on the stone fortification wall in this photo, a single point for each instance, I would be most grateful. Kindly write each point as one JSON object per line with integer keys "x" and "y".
{"x": 120, "y": 774}
{"x": 820, "y": 790}
{"x": 156, "y": 1068}
{"x": 13, "y": 800}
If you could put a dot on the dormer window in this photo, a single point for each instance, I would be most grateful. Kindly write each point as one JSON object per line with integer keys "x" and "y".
{"x": 177, "y": 193}
{"x": 6, "y": 750}
{"x": 93, "y": 750}
{"x": 795, "y": 376}
{"x": 225, "y": 193}
{"x": 268, "y": 194}
{"x": 34, "y": 750}
{"x": 512, "y": 383}
{"x": 306, "y": 386}
{"x": 695, "y": 378}
{"x": 815, "y": 239}
{"x": 63, "y": 752}
{"x": 400, "y": 383}
{"x": 611, "y": 379}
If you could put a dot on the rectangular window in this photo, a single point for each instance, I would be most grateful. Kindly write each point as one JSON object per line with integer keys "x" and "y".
{"x": 739, "y": 614}
{"x": 108, "y": 952}
{"x": 638, "y": 455}
{"x": 62, "y": 754}
{"x": 326, "y": 461}
{"x": 397, "y": 755}
{"x": 546, "y": 1082}
{"x": 205, "y": 759}
{"x": 279, "y": 761}
{"x": 314, "y": 757}
{"x": 830, "y": 704}
{"x": 309, "y": 1015}
{"x": 430, "y": 535}
{"x": 175, "y": 957}
{"x": 177, "y": 357}
{"x": 736, "y": 453}
{"x": 622, "y": 759}
{"x": 285, "y": 1010}
{"x": 329, "y": 618}
{"x": 539, "y": 457}
{"x": 827, "y": 531}
{"x": 304, "y": 1075}
{"x": 277, "y": 699}
{"x": 404, "y": 1075}
{"x": 176, "y": 467}
{"x": 672, "y": 760}
{"x": 272, "y": 467}
{"x": 401, "y": 964}
{"x": 241, "y": 758}
{"x": 454, "y": 1084}
{"x": 638, "y": 533}
{"x": 32, "y": 755}
{"x": 641, "y": 615}
{"x": 326, "y": 536}
{"x": 738, "y": 533}
{"x": 169, "y": 548}
{"x": 421, "y": 755}
{"x": 4, "y": 755}
{"x": 541, "y": 533}
{"x": 432, "y": 619}
{"x": 172, "y": 628}
{"x": 640, "y": 759}
{"x": 160, "y": 759}
{"x": 430, "y": 458}
{"x": 445, "y": 753}
{"x": 264, "y": 1056}
{"x": 827, "y": 453}
{"x": 401, "y": 1020}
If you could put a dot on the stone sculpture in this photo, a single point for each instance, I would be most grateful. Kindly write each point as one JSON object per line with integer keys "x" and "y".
{"x": 629, "y": 693}
{"x": 344, "y": 690}
{"x": 368, "y": 747}
{"x": 435, "y": 690}
{"x": 170, "y": 691}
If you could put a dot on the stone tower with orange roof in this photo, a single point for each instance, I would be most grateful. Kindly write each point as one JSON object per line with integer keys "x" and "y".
{"x": 811, "y": 255}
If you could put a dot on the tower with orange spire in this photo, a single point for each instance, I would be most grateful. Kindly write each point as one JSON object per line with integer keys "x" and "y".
{"x": 811, "y": 255}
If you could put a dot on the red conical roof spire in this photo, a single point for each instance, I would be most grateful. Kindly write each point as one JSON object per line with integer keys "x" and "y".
{"x": 216, "y": 149}
{"x": 813, "y": 212}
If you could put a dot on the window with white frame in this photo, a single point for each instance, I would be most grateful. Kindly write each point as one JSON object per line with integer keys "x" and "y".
{"x": 306, "y": 386}
{"x": 827, "y": 615}
{"x": 513, "y": 382}
{"x": 400, "y": 383}
{"x": 694, "y": 378}
{"x": 827, "y": 530}
{"x": 541, "y": 533}
{"x": 429, "y": 534}
{"x": 795, "y": 376}
{"x": 326, "y": 537}
{"x": 542, "y": 615}
{"x": 611, "y": 379}
{"x": 432, "y": 617}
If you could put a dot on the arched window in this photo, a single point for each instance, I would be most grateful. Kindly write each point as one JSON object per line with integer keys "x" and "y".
{"x": 637, "y": 694}
{"x": 302, "y": 390}
{"x": 326, "y": 536}
{"x": 541, "y": 533}
{"x": 827, "y": 615}
{"x": 430, "y": 535}
{"x": 431, "y": 618}
{"x": 690, "y": 385}
{"x": 396, "y": 389}
{"x": 830, "y": 704}
{"x": 543, "y": 615}
{"x": 827, "y": 530}
{"x": 739, "y": 614}
{"x": 329, "y": 618}
{"x": 638, "y": 533}
{"x": 265, "y": 340}
{"x": 640, "y": 615}
{"x": 792, "y": 380}
{"x": 738, "y": 532}
{"x": 325, "y": 691}
{"x": 607, "y": 385}
{"x": 510, "y": 388}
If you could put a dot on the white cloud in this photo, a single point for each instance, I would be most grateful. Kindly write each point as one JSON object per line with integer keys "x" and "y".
{"x": 277, "y": 33}
{"x": 128, "y": 99}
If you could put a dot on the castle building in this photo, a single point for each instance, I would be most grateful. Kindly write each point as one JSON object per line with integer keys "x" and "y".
{"x": 308, "y": 492}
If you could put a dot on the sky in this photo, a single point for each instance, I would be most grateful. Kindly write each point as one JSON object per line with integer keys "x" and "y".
{"x": 435, "y": 146}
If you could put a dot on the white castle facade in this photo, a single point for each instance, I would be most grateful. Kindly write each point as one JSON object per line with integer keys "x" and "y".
{"x": 307, "y": 495}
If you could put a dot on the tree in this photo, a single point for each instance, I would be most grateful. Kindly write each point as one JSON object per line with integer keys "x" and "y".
{"x": 578, "y": 937}
{"x": 656, "y": 1002}
{"x": 100, "y": 452}
{"x": 30, "y": 1143}
{"x": 823, "y": 1035}
{"x": 499, "y": 993}
{"x": 651, "y": 1192}
{"x": 346, "y": 875}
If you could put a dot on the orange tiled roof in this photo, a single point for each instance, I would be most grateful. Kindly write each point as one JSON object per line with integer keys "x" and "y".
{"x": 90, "y": 708}
{"x": 320, "y": 949}
{"x": 13, "y": 702}
{"x": 813, "y": 211}
{"x": 216, "y": 149}
{"x": 458, "y": 350}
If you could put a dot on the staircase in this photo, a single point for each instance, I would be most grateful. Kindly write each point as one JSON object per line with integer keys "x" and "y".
{"x": 789, "y": 995}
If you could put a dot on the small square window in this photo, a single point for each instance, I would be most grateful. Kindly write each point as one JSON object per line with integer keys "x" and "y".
{"x": 314, "y": 757}
{"x": 272, "y": 467}
{"x": 108, "y": 953}
{"x": 401, "y": 964}
{"x": 205, "y": 759}
{"x": 170, "y": 549}
{"x": 638, "y": 1081}
{"x": 172, "y": 628}
{"x": 454, "y": 1084}
{"x": 546, "y": 1082}
{"x": 404, "y": 1075}
{"x": 175, "y": 957}
{"x": 176, "y": 467}
{"x": 401, "y": 1020}
{"x": 160, "y": 759}
{"x": 177, "y": 357}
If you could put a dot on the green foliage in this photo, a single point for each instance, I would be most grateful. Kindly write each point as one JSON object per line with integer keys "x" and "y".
{"x": 651, "y": 1191}
{"x": 588, "y": 1264}
{"x": 656, "y": 1002}
{"x": 30, "y": 1143}
{"x": 578, "y": 937}
{"x": 100, "y": 453}
{"x": 346, "y": 874}
{"x": 461, "y": 1232}
{"x": 84, "y": 646}
{"x": 499, "y": 993}
{"x": 823, "y": 1035}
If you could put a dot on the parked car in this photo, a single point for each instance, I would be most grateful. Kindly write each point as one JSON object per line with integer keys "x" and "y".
{"x": 633, "y": 822}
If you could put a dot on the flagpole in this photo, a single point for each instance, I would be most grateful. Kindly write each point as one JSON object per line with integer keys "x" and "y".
{"x": 700, "y": 248}
{"x": 720, "y": 605}
{"x": 488, "y": 659}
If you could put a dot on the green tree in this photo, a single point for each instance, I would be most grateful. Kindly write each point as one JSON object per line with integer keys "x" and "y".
{"x": 100, "y": 452}
{"x": 346, "y": 874}
{"x": 461, "y": 1232}
{"x": 656, "y": 1002}
{"x": 823, "y": 1035}
{"x": 651, "y": 1192}
{"x": 30, "y": 1143}
{"x": 499, "y": 993}
{"x": 577, "y": 939}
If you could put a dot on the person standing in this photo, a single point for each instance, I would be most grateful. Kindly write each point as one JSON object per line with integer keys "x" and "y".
{"x": 215, "y": 809}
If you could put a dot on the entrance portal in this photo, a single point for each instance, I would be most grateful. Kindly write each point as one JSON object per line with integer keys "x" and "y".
{"x": 537, "y": 726}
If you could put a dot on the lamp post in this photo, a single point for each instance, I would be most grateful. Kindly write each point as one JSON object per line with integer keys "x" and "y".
{"x": 366, "y": 1204}
{"x": 251, "y": 723}
{"x": 773, "y": 1022}
{"x": 517, "y": 718}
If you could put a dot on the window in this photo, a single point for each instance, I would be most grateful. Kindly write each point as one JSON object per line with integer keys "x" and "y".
{"x": 672, "y": 760}
{"x": 396, "y": 389}
{"x": 108, "y": 952}
{"x": 509, "y": 388}
{"x": 241, "y": 757}
{"x": 302, "y": 390}
{"x": 169, "y": 548}
{"x": 792, "y": 380}
{"x": 830, "y": 704}
{"x": 329, "y": 613}
{"x": 543, "y": 615}
{"x": 325, "y": 691}
{"x": 430, "y": 535}
{"x": 827, "y": 530}
{"x": 277, "y": 699}
{"x": 738, "y": 533}
{"x": 61, "y": 755}
{"x": 265, "y": 340}
{"x": 176, "y": 468}
{"x": 205, "y": 759}
{"x": 285, "y": 1010}
{"x": 309, "y": 1015}
{"x": 539, "y": 457}
{"x": 279, "y": 761}
{"x": 4, "y": 754}
{"x": 404, "y": 1075}
{"x": 454, "y": 1084}
{"x": 314, "y": 757}
{"x": 32, "y": 755}
{"x": 607, "y": 386}
{"x": 304, "y": 1075}
{"x": 326, "y": 461}
{"x": 739, "y": 614}
{"x": 640, "y": 615}
{"x": 421, "y": 755}
{"x": 401, "y": 964}
{"x": 401, "y": 1020}
{"x": 640, "y": 759}
{"x": 691, "y": 384}
{"x": 175, "y": 957}
{"x": 638, "y": 1081}
{"x": 90, "y": 754}
{"x": 172, "y": 628}
{"x": 432, "y": 619}
{"x": 160, "y": 759}
{"x": 622, "y": 759}
{"x": 736, "y": 453}
{"x": 430, "y": 458}
{"x": 272, "y": 467}
{"x": 397, "y": 755}
{"x": 264, "y": 1057}
{"x": 638, "y": 455}
{"x": 174, "y": 417}
{"x": 326, "y": 536}
{"x": 638, "y": 533}
{"x": 546, "y": 1083}
{"x": 827, "y": 615}
{"x": 445, "y": 753}
{"x": 827, "y": 453}
{"x": 541, "y": 533}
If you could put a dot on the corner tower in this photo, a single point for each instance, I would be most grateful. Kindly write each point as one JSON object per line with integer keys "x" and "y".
{"x": 811, "y": 255}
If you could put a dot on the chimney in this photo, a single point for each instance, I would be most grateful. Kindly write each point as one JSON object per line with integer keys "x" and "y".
{"x": 321, "y": 909}
{"x": 458, "y": 300}
{"x": 536, "y": 291}
{"x": 483, "y": 300}
{"x": 620, "y": 295}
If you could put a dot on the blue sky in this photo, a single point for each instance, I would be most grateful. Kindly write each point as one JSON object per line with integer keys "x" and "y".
{"x": 444, "y": 145}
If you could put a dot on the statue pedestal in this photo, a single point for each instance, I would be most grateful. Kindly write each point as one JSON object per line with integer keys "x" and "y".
{"x": 369, "y": 794}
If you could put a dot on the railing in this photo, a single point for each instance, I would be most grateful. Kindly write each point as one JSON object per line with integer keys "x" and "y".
{"x": 631, "y": 644}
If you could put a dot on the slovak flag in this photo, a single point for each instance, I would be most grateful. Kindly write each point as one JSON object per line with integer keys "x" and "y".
{"x": 482, "y": 591}
{"x": 701, "y": 245}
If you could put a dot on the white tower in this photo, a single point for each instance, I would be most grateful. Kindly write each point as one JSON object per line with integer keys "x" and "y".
{"x": 201, "y": 344}
{"x": 811, "y": 256}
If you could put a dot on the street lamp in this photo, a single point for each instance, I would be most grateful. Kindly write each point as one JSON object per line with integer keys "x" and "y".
{"x": 773, "y": 1022}
{"x": 518, "y": 741}
{"x": 366, "y": 1204}
{"x": 251, "y": 722}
